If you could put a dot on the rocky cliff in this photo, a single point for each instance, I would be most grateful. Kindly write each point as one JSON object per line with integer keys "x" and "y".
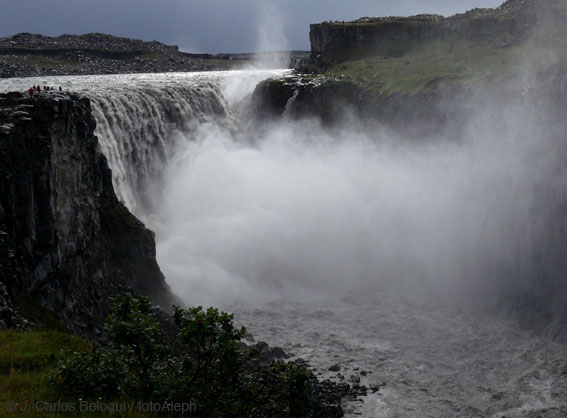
{"x": 515, "y": 18}
{"x": 29, "y": 54}
{"x": 66, "y": 243}
{"x": 421, "y": 70}
{"x": 333, "y": 101}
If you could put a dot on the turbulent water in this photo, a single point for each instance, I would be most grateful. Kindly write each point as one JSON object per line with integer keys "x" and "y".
{"x": 142, "y": 118}
{"x": 429, "y": 360}
{"x": 346, "y": 247}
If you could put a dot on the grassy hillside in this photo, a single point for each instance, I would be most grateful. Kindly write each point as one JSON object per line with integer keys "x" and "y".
{"x": 26, "y": 358}
{"x": 410, "y": 67}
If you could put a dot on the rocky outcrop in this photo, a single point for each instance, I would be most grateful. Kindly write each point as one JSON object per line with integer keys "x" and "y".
{"x": 66, "y": 243}
{"x": 90, "y": 41}
{"x": 27, "y": 54}
{"x": 30, "y": 54}
{"x": 336, "y": 36}
{"x": 333, "y": 100}
{"x": 514, "y": 18}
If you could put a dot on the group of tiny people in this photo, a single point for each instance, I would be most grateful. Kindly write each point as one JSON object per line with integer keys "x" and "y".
{"x": 37, "y": 89}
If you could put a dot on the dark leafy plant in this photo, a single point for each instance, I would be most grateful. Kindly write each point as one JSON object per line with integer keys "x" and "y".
{"x": 204, "y": 365}
{"x": 282, "y": 390}
{"x": 134, "y": 334}
{"x": 96, "y": 373}
{"x": 210, "y": 364}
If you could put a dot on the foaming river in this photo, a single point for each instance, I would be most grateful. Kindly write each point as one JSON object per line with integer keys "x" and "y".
{"x": 347, "y": 248}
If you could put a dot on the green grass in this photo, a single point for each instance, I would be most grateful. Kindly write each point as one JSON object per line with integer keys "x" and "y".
{"x": 39, "y": 60}
{"x": 34, "y": 350}
{"x": 26, "y": 359}
{"x": 222, "y": 64}
{"x": 148, "y": 55}
{"x": 415, "y": 67}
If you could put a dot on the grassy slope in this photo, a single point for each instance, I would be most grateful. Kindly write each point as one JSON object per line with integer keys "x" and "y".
{"x": 410, "y": 68}
{"x": 26, "y": 359}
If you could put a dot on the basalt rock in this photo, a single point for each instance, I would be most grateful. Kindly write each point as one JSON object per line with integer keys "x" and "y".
{"x": 335, "y": 100}
{"x": 67, "y": 244}
{"x": 29, "y": 54}
{"x": 514, "y": 18}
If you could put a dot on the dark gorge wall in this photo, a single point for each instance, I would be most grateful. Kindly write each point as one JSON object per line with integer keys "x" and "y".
{"x": 66, "y": 243}
{"x": 514, "y": 18}
{"x": 333, "y": 101}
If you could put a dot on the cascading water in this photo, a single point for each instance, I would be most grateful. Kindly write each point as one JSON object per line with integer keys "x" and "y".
{"x": 143, "y": 118}
{"x": 345, "y": 247}
{"x": 139, "y": 129}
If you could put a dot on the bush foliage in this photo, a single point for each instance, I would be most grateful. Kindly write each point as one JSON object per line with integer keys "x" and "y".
{"x": 203, "y": 364}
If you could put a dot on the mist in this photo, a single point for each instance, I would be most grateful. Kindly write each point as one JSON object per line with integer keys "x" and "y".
{"x": 272, "y": 44}
{"x": 295, "y": 210}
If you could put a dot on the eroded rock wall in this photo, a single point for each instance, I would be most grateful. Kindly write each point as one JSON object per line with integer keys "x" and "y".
{"x": 513, "y": 18}
{"x": 70, "y": 242}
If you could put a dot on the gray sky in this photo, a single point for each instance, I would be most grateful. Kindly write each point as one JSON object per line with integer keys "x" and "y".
{"x": 208, "y": 25}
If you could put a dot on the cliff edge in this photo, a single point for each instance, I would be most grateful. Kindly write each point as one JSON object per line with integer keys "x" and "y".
{"x": 419, "y": 70}
{"x": 66, "y": 243}
{"x": 30, "y": 54}
{"x": 514, "y": 19}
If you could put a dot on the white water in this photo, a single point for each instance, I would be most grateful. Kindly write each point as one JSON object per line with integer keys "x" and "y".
{"x": 142, "y": 118}
{"x": 430, "y": 360}
{"x": 302, "y": 232}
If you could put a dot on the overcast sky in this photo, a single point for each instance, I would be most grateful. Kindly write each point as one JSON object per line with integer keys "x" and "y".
{"x": 208, "y": 25}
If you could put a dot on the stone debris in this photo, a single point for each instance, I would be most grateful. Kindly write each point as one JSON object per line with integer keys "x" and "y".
{"x": 6, "y": 128}
{"x": 335, "y": 368}
{"x": 93, "y": 53}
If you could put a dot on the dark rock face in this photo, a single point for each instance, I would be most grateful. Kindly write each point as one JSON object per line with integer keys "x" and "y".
{"x": 333, "y": 101}
{"x": 270, "y": 97}
{"x": 336, "y": 36}
{"x": 67, "y": 240}
{"x": 514, "y": 18}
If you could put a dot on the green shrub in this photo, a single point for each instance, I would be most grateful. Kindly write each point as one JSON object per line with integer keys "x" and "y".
{"x": 204, "y": 365}
{"x": 209, "y": 365}
{"x": 94, "y": 373}
{"x": 281, "y": 390}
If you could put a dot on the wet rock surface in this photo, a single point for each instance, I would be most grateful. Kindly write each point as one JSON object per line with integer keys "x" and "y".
{"x": 334, "y": 101}
{"x": 66, "y": 243}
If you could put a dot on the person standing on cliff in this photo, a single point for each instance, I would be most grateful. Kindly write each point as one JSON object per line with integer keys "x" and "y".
{"x": 38, "y": 89}
{"x": 30, "y": 91}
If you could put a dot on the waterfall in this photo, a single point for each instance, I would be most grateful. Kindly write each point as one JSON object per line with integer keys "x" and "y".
{"x": 139, "y": 130}
{"x": 244, "y": 211}
{"x": 142, "y": 119}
